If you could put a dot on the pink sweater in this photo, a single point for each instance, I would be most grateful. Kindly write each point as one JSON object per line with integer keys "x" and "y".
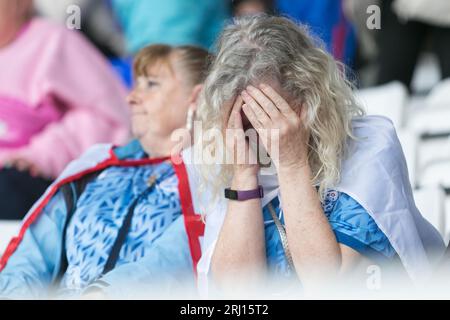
{"x": 58, "y": 96}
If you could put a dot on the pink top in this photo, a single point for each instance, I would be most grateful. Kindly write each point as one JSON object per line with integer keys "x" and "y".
{"x": 58, "y": 96}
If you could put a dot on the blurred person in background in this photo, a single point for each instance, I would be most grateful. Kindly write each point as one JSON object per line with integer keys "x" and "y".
{"x": 252, "y": 7}
{"x": 119, "y": 217}
{"x": 326, "y": 20}
{"x": 407, "y": 27}
{"x": 366, "y": 46}
{"x": 98, "y": 22}
{"x": 174, "y": 22}
{"x": 58, "y": 96}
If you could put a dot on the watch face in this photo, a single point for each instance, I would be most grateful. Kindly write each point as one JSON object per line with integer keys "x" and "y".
{"x": 231, "y": 194}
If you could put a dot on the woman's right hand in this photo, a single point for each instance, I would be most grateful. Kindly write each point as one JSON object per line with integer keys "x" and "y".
{"x": 240, "y": 151}
{"x": 239, "y": 259}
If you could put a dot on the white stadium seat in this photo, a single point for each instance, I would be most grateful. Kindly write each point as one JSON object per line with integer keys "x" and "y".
{"x": 431, "y": 203}
{"x": 433, "y": 117}
{"x": 388, "y": 100}
{"x": 440, "y": 95}
{"x": 431, "y": 120}
{"x": 433, "y": 155}
{"x": 436, "y": 173}
{"x": 426, "y": 74}
{"x": 410, "y": 141}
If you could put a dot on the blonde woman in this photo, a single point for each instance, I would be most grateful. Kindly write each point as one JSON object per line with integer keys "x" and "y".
{"x": 340, "y": 198}
{"x": 119, "y": 219}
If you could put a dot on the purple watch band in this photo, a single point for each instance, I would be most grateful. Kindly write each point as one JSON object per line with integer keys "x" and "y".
{"x": 244, "y": 195}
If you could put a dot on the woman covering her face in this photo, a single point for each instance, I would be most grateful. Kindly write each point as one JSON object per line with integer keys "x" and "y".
{"x": 339, "y": 199}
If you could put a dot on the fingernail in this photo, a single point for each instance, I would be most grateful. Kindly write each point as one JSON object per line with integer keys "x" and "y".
{"x": 244, "y": 93}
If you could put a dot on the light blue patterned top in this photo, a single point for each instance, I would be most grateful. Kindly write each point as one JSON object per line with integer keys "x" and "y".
{"x": 100, "y": 213}
{"x": 350, "y": 222}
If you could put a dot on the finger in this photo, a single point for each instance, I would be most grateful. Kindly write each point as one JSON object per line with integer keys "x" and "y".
{"x": 278, "y": 100}
{"x": 238, "y": 120}
{"x": 235, "y": 108}
{"x": 264, "y": 102}
{"x": 258, "y": 111}
{"x": 239, "y": 143}
{"x": 251, "y": 116}
{"x": 235, "y": 128}
{"x": 236, "y": 125}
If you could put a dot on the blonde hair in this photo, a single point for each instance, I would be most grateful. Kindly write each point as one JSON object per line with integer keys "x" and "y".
{"x": 275, "y": 48}
{"x": 193, "y": 60}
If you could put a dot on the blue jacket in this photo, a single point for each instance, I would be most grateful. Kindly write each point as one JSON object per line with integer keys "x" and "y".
{"x": 33, "y": 262}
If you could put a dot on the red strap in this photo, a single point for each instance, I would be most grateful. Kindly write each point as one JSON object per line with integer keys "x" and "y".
{"x": 192, "y": 222}
{"x": 112, "y": 161}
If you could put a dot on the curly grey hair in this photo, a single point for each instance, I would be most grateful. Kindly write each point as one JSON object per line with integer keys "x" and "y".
{"x": 261, "y": 48}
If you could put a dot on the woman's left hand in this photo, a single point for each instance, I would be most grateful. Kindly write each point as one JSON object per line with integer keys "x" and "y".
{"x": 269, "y": 113}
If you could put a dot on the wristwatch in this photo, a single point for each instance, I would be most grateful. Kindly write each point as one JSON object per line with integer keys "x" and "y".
{"x": 244, "y": 195}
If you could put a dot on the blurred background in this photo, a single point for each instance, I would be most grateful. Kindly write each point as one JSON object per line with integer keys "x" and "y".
{"x": 397, "y": 52}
